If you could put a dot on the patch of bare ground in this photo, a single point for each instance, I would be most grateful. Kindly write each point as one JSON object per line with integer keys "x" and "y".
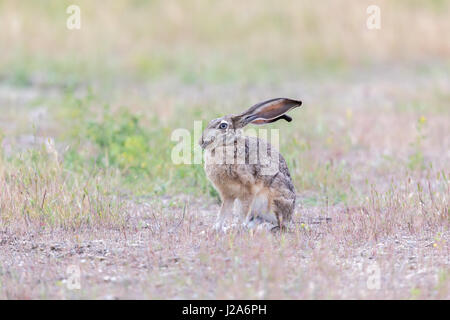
{"x": 333, "y": 252}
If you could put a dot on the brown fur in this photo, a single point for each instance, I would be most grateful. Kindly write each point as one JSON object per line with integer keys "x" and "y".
{"x": 245, "y": 180}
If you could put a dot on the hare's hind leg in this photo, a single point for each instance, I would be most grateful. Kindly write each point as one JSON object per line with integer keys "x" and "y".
{"x": 283, "y": 209}
{"x": 246, "y": 203}
{"x": 261, "y": 208}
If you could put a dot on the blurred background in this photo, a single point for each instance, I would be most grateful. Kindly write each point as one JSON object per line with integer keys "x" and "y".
{"x": 220, "y": 41}
{"x": 106, "y": 97}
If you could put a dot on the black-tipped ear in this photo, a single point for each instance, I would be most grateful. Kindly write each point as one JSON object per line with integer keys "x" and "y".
{"x": 284, "y": 117}
{"x": 267, "y": 112}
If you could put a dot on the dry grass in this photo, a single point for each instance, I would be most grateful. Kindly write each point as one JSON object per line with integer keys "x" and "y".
{"x": 162, "y": 254}
{"x": 383, "y": 212}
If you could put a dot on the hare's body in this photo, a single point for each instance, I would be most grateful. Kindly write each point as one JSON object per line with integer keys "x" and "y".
{"x": 272, "y": 196}
{"x": 249, "y": 170}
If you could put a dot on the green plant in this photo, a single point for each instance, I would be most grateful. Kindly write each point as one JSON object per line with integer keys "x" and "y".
{"x": 121, "y": 140}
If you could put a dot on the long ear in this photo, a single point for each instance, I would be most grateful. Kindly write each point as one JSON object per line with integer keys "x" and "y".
{"x": 266, "y": 112}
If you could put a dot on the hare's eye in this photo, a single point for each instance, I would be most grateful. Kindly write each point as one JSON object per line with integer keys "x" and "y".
{"x": 223, "y": 125}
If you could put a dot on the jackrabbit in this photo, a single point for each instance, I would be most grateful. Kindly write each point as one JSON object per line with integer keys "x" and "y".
{"x": 249, "y": 169}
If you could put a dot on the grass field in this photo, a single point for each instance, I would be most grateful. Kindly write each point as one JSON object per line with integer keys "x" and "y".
{"x": 86, "y": 177}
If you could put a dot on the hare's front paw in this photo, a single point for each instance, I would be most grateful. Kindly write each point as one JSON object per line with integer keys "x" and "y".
{"x": 249, "y": 224}
{"x": 219, "y": 227}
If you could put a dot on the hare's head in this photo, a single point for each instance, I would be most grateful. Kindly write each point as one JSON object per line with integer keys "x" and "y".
{"x": 224, "y": 130}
